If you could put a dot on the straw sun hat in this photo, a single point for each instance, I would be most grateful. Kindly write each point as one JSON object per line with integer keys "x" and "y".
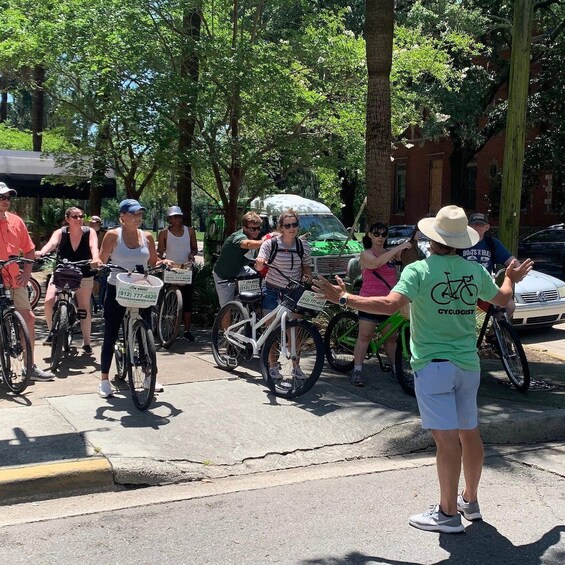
{"x": 450, "y": 228}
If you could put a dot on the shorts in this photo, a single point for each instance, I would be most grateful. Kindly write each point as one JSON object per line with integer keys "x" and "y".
{"x": 226, "y": 288}
{"x": 271, "y": 298}
{"x": 375, "y": 318}
{"x": 20, "y": 297}
{"x": 447, "y": 396}
{"x": 86, "y": 282}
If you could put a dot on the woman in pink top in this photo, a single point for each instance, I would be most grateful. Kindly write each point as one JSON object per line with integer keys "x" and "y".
{"x": 379, "y": 276}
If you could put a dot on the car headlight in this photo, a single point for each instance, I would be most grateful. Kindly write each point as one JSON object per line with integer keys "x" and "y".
{"x": 561, "y": 290}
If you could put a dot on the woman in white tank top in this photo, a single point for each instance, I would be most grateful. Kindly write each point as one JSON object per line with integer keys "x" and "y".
{"x": 178, "y": 243}
{"x": 129, "y": 246}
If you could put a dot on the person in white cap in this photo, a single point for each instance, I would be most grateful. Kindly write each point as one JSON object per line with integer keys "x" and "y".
{"x": 178, "y": 243}
{"x": 15, "y": 239}
{"x": 443, "y": 290}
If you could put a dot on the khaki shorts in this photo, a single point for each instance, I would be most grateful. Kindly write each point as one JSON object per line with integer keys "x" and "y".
{"x": 21, "y": 299}
{"x": 86, "y": 282}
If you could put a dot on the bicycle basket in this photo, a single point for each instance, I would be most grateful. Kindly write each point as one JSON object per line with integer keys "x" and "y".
{"x": 178, "y": 276}
{"x": 67, "y": 277}
{"x": 136, "y": 290}
{"x": 298, "y": 298}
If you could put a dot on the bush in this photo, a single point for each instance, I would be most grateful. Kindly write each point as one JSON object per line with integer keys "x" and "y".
{"x": 205, "y": 304}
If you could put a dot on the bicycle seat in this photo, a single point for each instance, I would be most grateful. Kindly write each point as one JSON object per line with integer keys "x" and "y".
{"x": 250, "y": 297}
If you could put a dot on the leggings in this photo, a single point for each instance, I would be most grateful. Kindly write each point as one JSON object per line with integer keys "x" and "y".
{"x": 113, "y": 316}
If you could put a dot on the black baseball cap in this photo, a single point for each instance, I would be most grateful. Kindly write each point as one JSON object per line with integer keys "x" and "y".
{"x": 478, "y": 218}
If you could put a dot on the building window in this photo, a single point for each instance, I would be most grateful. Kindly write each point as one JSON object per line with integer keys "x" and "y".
{"x": 400, "y": 188}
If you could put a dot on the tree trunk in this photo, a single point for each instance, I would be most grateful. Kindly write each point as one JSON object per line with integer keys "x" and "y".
{"x": 347, "y": 193}
{"x": 189, "y": 72}
{"x": 379, "y": 29}
{"x": 3, "y": 100}
{"x": 38, "y": 107}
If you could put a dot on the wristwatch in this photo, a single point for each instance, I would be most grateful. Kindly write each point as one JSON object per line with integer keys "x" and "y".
{"x": 343, "y": 300}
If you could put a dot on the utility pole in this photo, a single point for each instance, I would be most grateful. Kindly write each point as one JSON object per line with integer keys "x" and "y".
{"x": 516, "y": 124}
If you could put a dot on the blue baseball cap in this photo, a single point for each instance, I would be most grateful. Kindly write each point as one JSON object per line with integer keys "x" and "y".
{"x": 131, "y": 206}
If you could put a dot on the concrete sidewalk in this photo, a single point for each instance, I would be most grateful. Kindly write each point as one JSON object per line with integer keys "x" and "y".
{"x": 61, "y": 438}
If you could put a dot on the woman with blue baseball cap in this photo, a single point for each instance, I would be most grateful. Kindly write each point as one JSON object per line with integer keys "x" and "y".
{"x": 129, "y": 246}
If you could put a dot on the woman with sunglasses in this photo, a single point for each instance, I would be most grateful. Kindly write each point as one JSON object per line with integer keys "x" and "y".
{"x": 74, "y": 242}
{"x": 379, "y": 276}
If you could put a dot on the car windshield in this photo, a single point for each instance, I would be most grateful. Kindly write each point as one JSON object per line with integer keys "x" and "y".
{"x": 400, "y": 231}
{"x": 322, "y": 227}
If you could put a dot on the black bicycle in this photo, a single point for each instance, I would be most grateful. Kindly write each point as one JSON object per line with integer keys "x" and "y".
{"x": 67, "y": 277}
{"x": 15, "y": 347}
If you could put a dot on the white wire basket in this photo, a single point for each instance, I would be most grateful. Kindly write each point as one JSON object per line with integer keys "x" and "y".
{"x": 135, "y": 290}
{"x": 178, "y": 276}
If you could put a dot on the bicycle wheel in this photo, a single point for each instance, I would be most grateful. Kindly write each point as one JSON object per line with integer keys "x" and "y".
{"x": 403, "y": 369}
{"x": 512, "y": 355}
{"x": 292, "y": 361}
{"x": 15, "y": 358}
{"x": 60, "y": 331}
{"x": 170, "y": 312}
{"x": 340, "y": 339}
{"x": 33, "y": 292}
{"x": 120, "y": 355}
{"x": 142, "y": 370}
{"x": 227, "y": 355}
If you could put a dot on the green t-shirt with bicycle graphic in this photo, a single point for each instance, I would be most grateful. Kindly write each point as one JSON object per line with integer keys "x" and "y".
{"x": 443, "y": 290}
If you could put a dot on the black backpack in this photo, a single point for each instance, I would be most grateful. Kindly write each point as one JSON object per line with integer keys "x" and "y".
{"x": 275, "y": 249}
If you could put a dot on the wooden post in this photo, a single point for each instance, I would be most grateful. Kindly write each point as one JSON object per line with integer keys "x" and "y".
{"x": 516, "y": 124}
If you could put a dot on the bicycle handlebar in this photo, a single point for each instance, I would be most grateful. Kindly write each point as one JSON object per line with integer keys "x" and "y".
{"x": 15, "y": 259}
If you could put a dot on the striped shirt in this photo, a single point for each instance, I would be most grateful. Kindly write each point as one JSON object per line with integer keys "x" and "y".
{"x": 286, "y": 259}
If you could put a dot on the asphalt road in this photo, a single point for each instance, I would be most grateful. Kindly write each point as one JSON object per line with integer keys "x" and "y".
{"x": 354, "y": 513}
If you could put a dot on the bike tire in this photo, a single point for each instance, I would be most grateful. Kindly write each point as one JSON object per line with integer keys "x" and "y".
{"x": 169, "y": 317}
{"x": 34, "y": 292}
{"x": 60, "y": 331}
{"x": 340, "y": 339}
{"x": 15, "y": 356}
{"x": 302, "y": 338}
{"x": 402, "y": 366}
{"x": 120, "y": 355}
{"x": 512, "y": 355}
{"x": 142, "y": 368}
{"x": 227, "y": 355}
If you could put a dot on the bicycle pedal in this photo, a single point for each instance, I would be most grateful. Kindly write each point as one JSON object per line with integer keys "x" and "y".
{"x": 232, "y": 362}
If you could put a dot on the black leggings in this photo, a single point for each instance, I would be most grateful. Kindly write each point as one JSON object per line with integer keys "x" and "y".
{"x": 113, "y": 316}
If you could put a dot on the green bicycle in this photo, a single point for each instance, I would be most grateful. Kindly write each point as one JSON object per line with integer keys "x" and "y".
{"x": 341, "y": 336}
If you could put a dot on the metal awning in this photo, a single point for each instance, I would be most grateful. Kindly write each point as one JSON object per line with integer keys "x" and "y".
{"x": 25, "y": 171}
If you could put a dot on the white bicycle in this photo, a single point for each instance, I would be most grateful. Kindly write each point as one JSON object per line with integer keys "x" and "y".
{"x": 291, "y": 350}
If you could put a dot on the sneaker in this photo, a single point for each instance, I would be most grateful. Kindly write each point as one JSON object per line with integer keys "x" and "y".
{"x": 158, "y": 386}
{"x": 298, "y": 373}
{"x": 470, "y": 510}
{"x": 434, "y": 520}
{"x": 278, "y": 378}
{"x": 357, "y": 379}
{"x": 105, "y": 389}
{"x": 87, "y": 349}
{"x": 49, "y": 339}
{"x": 188, "y": 336}
{"x": 38, "y": 374}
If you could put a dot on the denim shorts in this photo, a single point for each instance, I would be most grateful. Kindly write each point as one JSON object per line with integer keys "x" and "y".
{"x": 271, "y": 297}
{"x": 447, "y": 396}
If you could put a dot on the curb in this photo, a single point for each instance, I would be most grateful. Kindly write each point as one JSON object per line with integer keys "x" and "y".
{"x": 53, "y": 479}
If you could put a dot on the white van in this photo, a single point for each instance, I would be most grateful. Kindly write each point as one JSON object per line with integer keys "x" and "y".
{"x": 327, "y": 235}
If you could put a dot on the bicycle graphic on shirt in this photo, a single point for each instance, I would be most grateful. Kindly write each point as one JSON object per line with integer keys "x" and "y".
{"x": 445, "y": 292}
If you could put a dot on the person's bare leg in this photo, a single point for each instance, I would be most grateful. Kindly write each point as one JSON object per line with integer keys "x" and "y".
{"x": 366, "y": 329}
{"x": 448, "y": 461}
{"x": 83, "y": 300}
{"x": 473, "y": 455}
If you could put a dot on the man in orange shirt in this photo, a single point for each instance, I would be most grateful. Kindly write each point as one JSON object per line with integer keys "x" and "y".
{"x": 14, "y": 239}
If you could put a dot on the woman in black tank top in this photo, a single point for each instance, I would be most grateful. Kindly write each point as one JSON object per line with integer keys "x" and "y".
{"x": 74, "y": 242}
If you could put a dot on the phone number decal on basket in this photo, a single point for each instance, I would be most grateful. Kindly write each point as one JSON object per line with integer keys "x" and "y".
{"x": 311, "y": 301}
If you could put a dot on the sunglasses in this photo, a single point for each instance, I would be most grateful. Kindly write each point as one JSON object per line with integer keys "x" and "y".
{"x": 5, "y": 197}
{"x": 380, "y": 233}
{"x": 250, "y": 228}
{"x": 288, "y": 226}
{"x": 78, "y": 216}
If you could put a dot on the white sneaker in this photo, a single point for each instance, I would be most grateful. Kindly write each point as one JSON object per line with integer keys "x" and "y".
{"x": 298, "y": 373}
{"x": 274, "y": 373}
{"x": 105, "y": 389}
{"x": 147, "y": 385}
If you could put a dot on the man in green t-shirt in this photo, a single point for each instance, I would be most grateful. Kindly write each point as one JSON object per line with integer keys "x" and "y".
{"x": 443, "y": 290}
{"x": 231, "y": 262}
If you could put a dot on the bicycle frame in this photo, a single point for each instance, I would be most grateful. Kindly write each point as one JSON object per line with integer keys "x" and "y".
{"x": 280, "y": 315}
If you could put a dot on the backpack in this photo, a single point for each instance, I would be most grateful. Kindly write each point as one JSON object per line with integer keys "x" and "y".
{"x": 275, "y": 249}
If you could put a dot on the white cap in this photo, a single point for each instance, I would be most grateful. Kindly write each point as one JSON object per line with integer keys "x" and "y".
{"x": 174, "y": 211}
